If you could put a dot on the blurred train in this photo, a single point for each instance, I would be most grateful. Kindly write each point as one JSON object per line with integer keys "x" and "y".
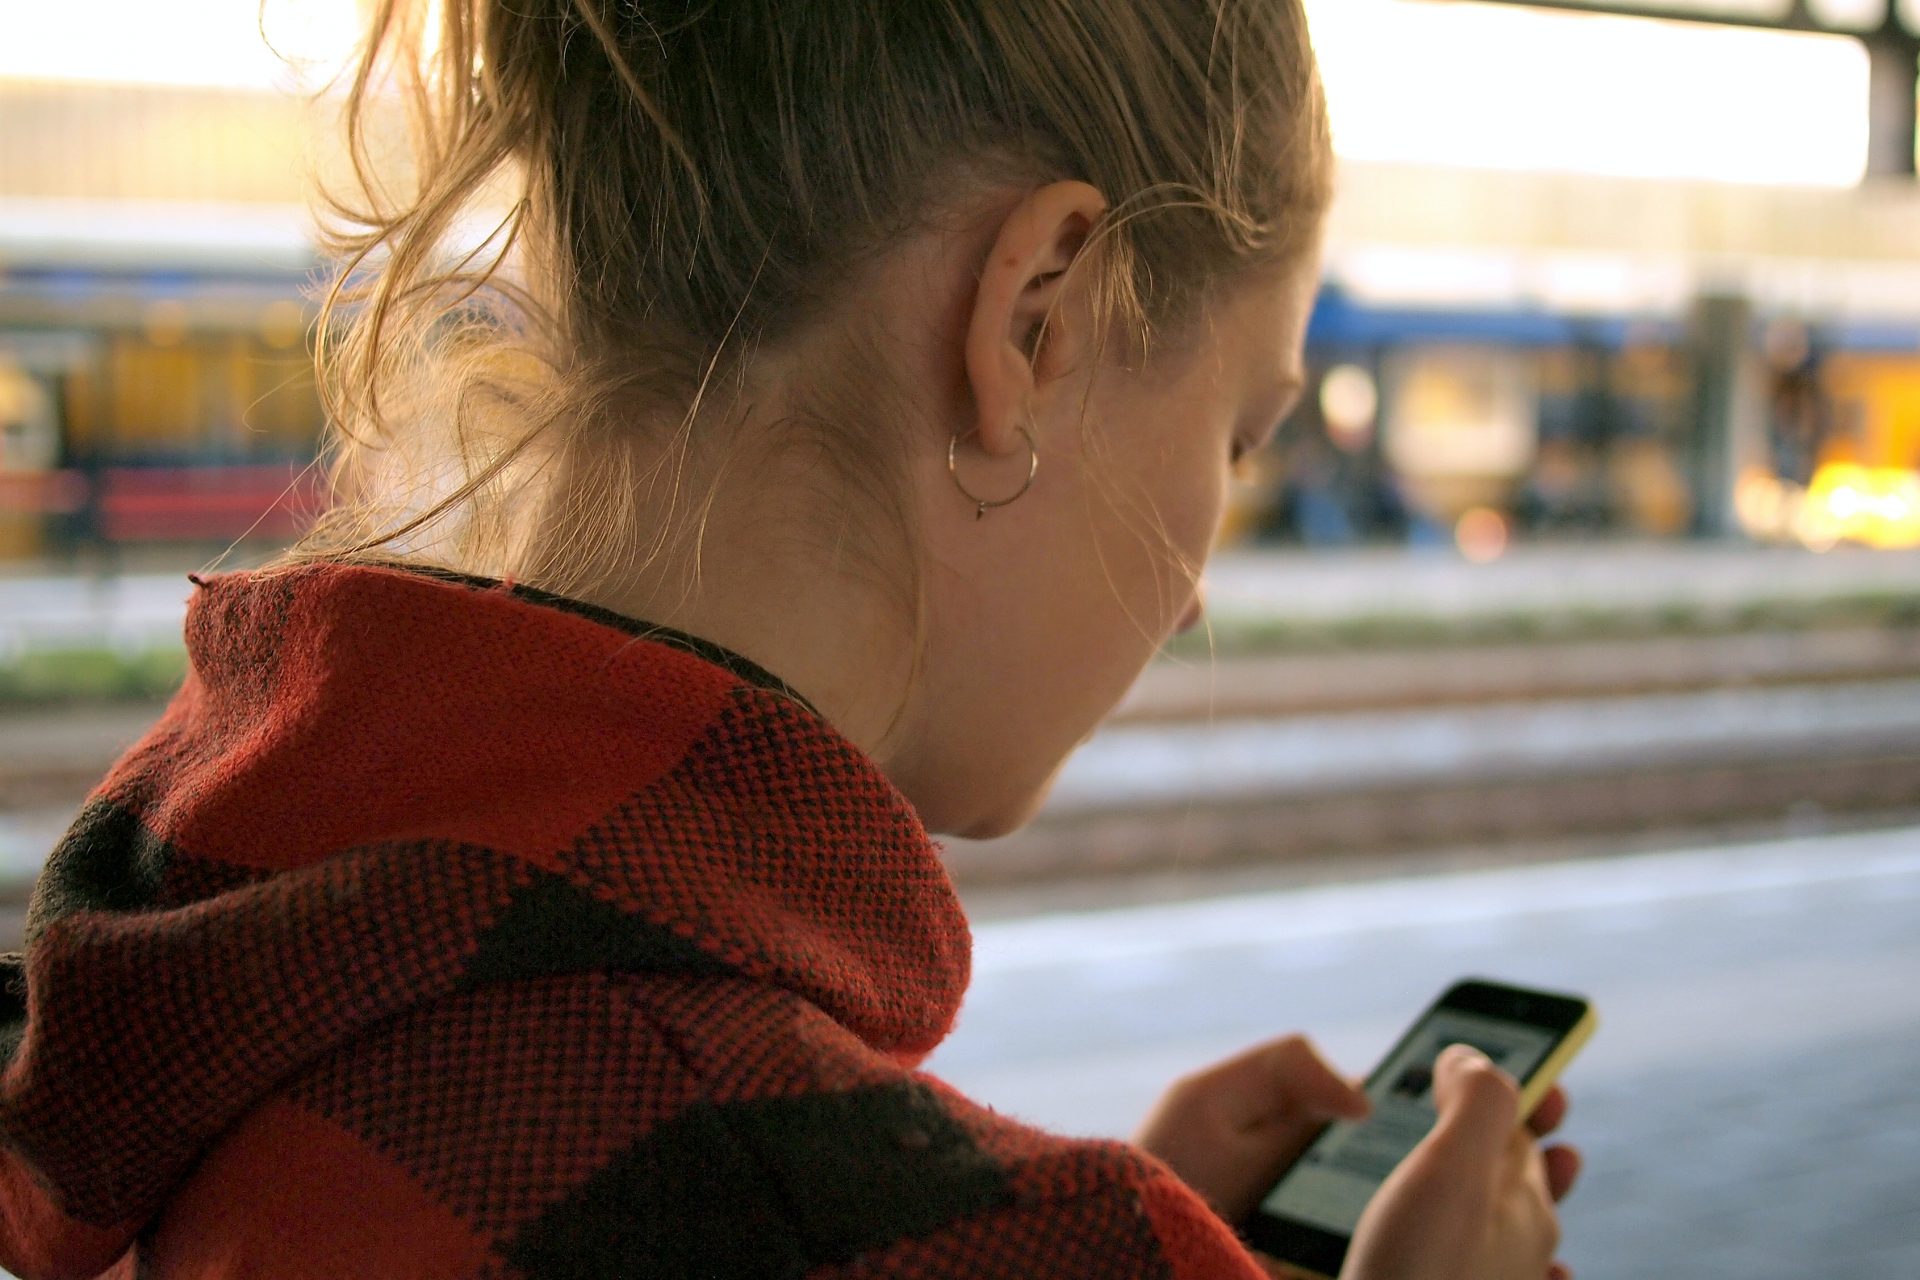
{"x": 1479, "y": 425}
{"x": 155, "y": 383}
{"x": 156, "y": 389}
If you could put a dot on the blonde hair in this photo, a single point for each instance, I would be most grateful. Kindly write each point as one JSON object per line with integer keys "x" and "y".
{"x": 686, "y": 184}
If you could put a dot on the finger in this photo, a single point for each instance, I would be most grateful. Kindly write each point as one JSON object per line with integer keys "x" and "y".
{"x": 1289, "y": 1080}
{"x": 1551, "y": 1112}
{"x": 1526, "y": 1159}
{"x": 1479, "y": 1105}
{"x": 1318, "y": 1090}
{"x": 1563, "y": 1169}
{"x": 1559, "y": 1271}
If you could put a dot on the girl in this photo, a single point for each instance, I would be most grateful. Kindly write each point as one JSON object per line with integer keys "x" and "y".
{"x": 532, "y": 878}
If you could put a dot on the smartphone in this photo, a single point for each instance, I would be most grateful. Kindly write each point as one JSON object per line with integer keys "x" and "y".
{"x": 1308, "y": 1218}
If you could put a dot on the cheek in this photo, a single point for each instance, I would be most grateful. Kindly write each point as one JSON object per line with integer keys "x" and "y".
{"x": 1073, "y": 629}
{"x": 1205, "y": 509}
{"x": 1188, "y": 494}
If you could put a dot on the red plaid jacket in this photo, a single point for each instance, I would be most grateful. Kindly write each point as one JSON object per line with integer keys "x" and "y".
{"x": 446, "y": 929}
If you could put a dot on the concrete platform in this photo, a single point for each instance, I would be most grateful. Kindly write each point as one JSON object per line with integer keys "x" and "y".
{"x": 1747, "y": 1109}
{"x": 42, "y": 606}
{"x": 1703, "y": 576}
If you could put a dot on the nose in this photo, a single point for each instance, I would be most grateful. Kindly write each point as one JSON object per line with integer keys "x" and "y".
{"x": 1195, "y": 611}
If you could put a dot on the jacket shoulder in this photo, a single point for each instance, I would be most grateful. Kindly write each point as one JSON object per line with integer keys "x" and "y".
{"x": 882, "y": 1170}
{"x": 1070, "y": 1208}
{"x": 670, "y": 1125}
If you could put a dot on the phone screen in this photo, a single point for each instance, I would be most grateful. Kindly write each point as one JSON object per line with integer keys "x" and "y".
{"x": 1332, "y": 1183}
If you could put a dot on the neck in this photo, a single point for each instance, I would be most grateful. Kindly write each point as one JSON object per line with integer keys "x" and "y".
{"x": 735, "y": 562}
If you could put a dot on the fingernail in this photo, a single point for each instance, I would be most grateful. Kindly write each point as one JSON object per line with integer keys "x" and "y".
{"x": 1468, "y": 1056}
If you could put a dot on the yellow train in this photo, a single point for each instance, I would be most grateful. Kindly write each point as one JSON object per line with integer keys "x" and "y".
{"x": 143, "y": 400}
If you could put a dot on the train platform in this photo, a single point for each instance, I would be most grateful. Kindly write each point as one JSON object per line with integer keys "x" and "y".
{"x": 1644, "y": 577}
{"x": 1280, "y": 763}
{"x": 1746, "y": 1108}
{"x": 48, "y": 606}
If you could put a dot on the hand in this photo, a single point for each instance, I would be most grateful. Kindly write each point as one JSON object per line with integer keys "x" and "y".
{"x": 1230, "y": 1130}
{"x": 1475, "y": 1200}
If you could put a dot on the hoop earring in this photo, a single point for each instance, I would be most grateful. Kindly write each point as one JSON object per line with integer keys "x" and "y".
{"x": 981, "y": 504}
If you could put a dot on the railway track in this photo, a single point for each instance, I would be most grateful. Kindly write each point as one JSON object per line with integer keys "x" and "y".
{"x": 1319, "y": 683}
{"x": 1258, "y": 762}
{"x": 1495, "y": 817}
{"x": 1499, "y": 750}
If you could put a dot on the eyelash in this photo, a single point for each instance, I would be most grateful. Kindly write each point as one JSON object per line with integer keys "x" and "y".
{"x": 1241, "y": 462}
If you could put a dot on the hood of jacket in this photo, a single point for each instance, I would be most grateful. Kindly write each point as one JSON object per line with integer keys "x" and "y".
{"x": 378, "y": 786}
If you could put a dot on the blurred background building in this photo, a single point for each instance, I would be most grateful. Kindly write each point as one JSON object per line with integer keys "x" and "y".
{"x": 1590, "y": 276}
{"x": 1570, "y": 631}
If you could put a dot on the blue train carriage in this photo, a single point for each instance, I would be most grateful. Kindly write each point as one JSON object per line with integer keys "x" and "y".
{"x": 155, "y": 386}
{"x": 1475, "y": 425}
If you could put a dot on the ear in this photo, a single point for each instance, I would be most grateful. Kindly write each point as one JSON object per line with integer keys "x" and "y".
{"x": 1022, "y": 279}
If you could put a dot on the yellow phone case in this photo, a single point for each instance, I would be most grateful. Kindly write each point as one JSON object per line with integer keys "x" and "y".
{"x": 1531, "y": 1095}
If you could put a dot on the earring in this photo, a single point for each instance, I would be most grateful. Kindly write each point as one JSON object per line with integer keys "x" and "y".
{"x": 981, "y": 504}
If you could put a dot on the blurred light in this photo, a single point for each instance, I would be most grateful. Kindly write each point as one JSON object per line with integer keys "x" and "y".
{"x": 165, "y": 323}
{"x": 1849, "y": 15}
{"x": 1482, "y": 535}
{"x": 282, "y": 323}
{"x": 234, "y": 44}
{"x": 1846, "y": 502}
{"x": 1766, "y": 10}
{"x": 1604, "y": 283}
{"x": 1761, "y": 504}
{"x": 1423, "y": 275}
{"x": 1485, "y": 86}
{"x": 1875, "y": 506}
{"x": 1408, "y": 80}
{"x": 127, "y": 234}
{"x": 1814, "y": 531}
{"x": 1461, "y": 411}
{"x": 13, "y": 392}
{"x": 1349, "y": 402}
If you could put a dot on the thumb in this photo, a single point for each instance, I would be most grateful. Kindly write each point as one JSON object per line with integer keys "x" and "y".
{"x": 1290, "y": 1080}
{"x": 1479, "y": 1104}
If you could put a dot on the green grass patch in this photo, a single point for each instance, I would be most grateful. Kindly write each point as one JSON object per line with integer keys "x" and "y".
{"x": 103, "y": 675}
{"x": 1251, "y": 635}
{"x": 58, "y": 677}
